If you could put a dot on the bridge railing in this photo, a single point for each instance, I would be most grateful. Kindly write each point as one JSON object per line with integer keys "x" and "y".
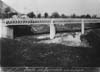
{"x": 26, "y": 21}
{"x": 29, "y": 21}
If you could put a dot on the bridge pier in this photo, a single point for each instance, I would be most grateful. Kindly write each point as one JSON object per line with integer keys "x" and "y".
{"x": 0, "y": 28}
{"x": 6, "y": 31}
{"x": 82, "y": 27}
{"x": 52, "y": 30}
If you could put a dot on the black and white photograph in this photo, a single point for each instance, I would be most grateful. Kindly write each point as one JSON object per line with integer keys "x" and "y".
{"x": 49, "y": 35}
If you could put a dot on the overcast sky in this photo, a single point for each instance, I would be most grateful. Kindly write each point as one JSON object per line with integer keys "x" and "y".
{"x": 62, "y": 6}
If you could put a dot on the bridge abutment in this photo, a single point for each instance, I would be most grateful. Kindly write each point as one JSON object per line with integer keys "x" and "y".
{"x": 6, "y": 31}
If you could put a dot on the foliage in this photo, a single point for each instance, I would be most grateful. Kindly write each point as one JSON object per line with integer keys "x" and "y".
{"x": 93, "y": 38}
{"x": 31, "y": 15}
{"x": 73, "y": 16}
{"x": 94, "y": 16}
{"x": 7, "y": 13}
{"x": 46, "y": 15}
{"x": 39, "y": 15}
{"x": 55, "y": 15}
{"x": 7, "y": 10}
{"x": 63, "y": 16}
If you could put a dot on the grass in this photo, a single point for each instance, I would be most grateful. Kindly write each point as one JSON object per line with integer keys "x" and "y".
{"x": 24, "y": 52}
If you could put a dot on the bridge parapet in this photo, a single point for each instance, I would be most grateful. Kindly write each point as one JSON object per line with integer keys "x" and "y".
{"x": 26, "y": 21}
{"x": 29, "y": 21}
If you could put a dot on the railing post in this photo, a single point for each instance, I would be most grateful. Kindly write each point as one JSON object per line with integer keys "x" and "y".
{"x": 52, "y": 30}
{"x": 82, "y": 26}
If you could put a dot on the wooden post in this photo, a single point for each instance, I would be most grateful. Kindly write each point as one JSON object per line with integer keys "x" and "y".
{"x": 82, "y": 27}
{"x": 52, "y": 30}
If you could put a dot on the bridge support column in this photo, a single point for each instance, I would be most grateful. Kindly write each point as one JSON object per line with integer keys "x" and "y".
{"x": 6, "y": 32}
{"x": 52, "y": 30}
{"x": 82, "y": 27}
{"x": 0, "y": 28}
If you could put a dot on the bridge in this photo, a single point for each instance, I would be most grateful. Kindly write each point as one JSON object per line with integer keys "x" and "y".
{"x": 7, "y": 31}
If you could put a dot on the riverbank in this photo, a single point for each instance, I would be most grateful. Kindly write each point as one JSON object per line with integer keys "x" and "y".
{"x": 26, "y": 52}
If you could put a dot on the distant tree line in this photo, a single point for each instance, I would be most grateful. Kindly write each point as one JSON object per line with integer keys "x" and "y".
{"x": 57, "y": 15}
{"x": 8, "y": 14}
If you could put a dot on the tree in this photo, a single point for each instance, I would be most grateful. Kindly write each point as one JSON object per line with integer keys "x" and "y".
{"x": 73, "y": 16}
{"x": 63, "y": 16}
{"x": 55, "y": 15}
{"x": 31, "y": 15}
{"x": 83, "y": 16}
{"x": 46, "y": 15}
{"x": 7, "y": 10}
{"x": 88, "y": 16}
{"x": 94, "y": 16}
{"x": 39, "y": 15}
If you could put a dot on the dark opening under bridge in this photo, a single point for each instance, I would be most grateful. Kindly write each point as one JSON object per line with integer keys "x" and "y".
{"x": 7, "y": 31}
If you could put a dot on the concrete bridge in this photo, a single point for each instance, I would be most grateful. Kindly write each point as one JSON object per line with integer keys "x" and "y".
{"x": 7, "y": 30}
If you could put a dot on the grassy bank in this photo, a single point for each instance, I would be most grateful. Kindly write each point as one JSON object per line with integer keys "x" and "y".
{"x": 24, "y": 52}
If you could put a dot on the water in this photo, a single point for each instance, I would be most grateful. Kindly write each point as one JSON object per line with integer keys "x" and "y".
{"x": 68, "y": 39}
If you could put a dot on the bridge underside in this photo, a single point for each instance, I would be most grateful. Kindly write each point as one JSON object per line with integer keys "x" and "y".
{"x": 22, "y": 31}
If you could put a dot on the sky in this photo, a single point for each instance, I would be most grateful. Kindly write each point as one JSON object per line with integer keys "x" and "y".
{"x": 67, "y": 7}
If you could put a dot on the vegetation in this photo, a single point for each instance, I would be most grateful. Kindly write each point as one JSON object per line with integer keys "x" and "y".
{"x": 8, "y": 14}
{"x": 31, "y": 15}
{"x": 25, "y": 51}
{"x": 57, "y": 15}
{"x": 46, "y": 15}
{"x": 93, "y": 38}
{"x": 39, "y": 15}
